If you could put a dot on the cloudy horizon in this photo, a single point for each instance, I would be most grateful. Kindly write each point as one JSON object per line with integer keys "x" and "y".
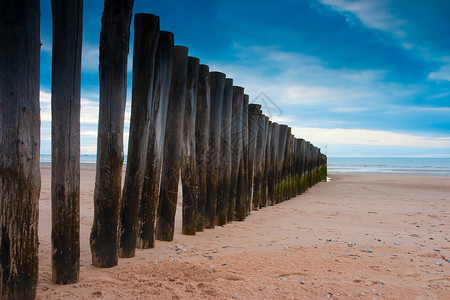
{"x": 357, "y": 78}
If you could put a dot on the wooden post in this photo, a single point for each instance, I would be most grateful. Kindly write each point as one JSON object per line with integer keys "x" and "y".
{"x": 156, "y": 136}
{"x": 271, "y": 180}
{"x": 19, "y": 148}
{"x": 189, "y": 175}
{"x": 267, "y": 165}
{"x": 241, "y": 195}
{"x": 114, "y": 46}
{"x": 236, "y": 150}
{"x": 171, "y": 168}
{"x": 223, "y": 196}
{"x": 67, "y": 19}
{"x": 254, "y": 112}
{"x": 217, "y": 82}
{"x": 297, "y": 166}
{"x": 307, "y": 165}
{"x": 245, "y": 151}
{"x": 146, "y": 35}
{"x": 284, "y": 183}
{"x": 202, "y": 140}
{"x": 302, "y": 159}
{"x": 280, "y": 161}
{"x": 260, "y": 155}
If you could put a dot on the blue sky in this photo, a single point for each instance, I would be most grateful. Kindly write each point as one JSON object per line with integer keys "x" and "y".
{"x": 356, "y": 78}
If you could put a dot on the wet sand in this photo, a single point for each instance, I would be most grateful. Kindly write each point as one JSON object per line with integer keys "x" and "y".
{"x": 357, "y": 236}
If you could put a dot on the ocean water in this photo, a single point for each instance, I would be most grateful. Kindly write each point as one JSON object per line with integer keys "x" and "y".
{"x": 379, "y": 165}
{"x": 351, "y": 165}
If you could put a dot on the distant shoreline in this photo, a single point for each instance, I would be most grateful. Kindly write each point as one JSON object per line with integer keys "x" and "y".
{"x": 342, "y": 165}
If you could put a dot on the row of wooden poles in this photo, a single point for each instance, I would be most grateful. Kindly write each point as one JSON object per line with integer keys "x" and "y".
{"x": 190, "y": 123}
{"x": 186, "y": 122}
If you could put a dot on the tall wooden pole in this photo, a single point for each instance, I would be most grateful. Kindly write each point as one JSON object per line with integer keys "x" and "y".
{"x": 236, "y": 150}
{"x": 202, "y": 140}
{"x": 245, "y": 151}
{"x": 260, "y": 154}
{"x": 67, "y": 19}
{"x": 272, "y": 171}
{"x": 146, "y": 35}
{"x": 165, "y": 222}
{"x": 156, "y": 136}
{"x": 19, "y": 148}
{"x": 223, "y": 197}
{"x": 280, "y": 161}
{"x": 114, "y": 46}
{"x": 302, "y": 165}
{"x": 284, "y": 182}
{"x": 241, "y": 194}
{"x": 217, "y": 82}
{"x": 267, "y": 165}
{"x": 254, "y": 113}
{"x": 189, "y": 175}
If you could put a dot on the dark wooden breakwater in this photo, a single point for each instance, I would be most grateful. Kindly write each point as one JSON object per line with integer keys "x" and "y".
{"x": 187, "y": 124}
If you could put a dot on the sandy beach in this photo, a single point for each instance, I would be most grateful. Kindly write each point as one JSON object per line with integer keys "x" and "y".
{"x": 357, "y": 236}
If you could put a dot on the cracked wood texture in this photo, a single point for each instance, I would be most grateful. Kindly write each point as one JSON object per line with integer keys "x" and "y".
{"x": 223, "y": 194}
{"x": 217, "y": 84}
{"x": 201, "y": 140}
{"x": 171, "y": 169}
{"x": 114, "y": 47}
{"x": 155, "y": 150}
{"x": 146, "y": 35}
{"x": 19, "y": 148}
{"x": 189, "y": 175}
{"x": 66, "y": 76}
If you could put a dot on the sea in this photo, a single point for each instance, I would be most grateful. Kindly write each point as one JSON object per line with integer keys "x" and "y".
{"x": 348, "y": 165}
{"x": 384, "y": 165}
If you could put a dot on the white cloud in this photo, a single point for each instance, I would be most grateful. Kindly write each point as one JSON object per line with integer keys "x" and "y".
{"x": 365, "y": 137}
{"x": 90, "y": 57}
{"x": 373, "y": 14}
{"x": 444, "y": 72}
{"x": 89, "y": 109}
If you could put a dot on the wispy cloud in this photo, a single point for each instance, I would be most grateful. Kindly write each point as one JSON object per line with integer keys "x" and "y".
{"x": 334, "y": 136}
{"x": 90, "y": 57}
{"x": 373, "y": 14}
{"x": 443, "y": 74}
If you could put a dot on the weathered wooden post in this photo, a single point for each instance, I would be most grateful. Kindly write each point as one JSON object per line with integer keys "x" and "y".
{"x": 260, "y": 155}
{"x": 223, "y": 196}
{"x": 156, "y": 137}
{"x": 324, "y": 167}
{"x": 302, "y": 166}
{"x": 293, "y": 170}
{"x": 272, "y": 172}
{"x": 67, "y": 19}
{"x": 297, "y": 166}
{"x": 284, "y": 184}
{"x": 202, "y": 140}
{"x": 171, "y": 168}
{"x": 289, "y": 148}
{"x": 114, "y": 45}
{"x": 267, "y": 165}
{"x": 254, "y": 112}
{"x": 280, "y": 161}
{"x": 245, "y": 151}
{"x": 217, "y": 82}
{"x": 307, "y": 165}
{"x": 236, "y": 150}
{"x": 146, "y": 35}
{"x": 189, "y": 175}
{"x": 19, "y": 148}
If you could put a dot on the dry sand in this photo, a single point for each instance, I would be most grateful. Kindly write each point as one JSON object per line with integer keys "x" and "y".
{"x": 310, "y": 247}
